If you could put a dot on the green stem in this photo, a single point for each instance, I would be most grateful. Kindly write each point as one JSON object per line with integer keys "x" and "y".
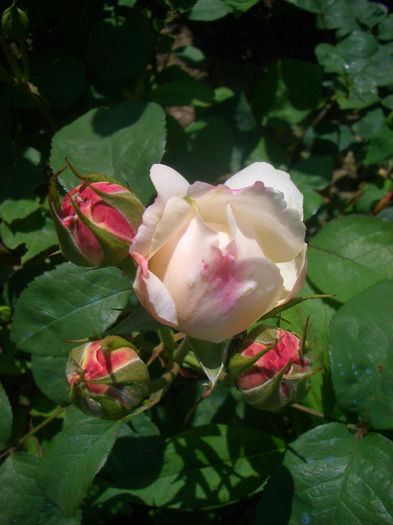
{"x": 159, "y": 387}
{"x": 42, "y": 425}
{"x": 128, "y": 267}
{"x": 167, "y": 339}
{"x": 308, "y": 410}
{"x": 11, "y": 60}
{"x": 5, "y": 76}
{"x": 165, "y": 381}
{"x": 25, "y": 61}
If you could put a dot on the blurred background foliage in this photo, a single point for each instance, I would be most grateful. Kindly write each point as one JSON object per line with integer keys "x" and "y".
{"x": 207, "y": 87}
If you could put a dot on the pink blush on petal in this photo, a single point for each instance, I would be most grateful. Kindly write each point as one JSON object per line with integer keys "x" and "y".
{"x": 223, "y": 277}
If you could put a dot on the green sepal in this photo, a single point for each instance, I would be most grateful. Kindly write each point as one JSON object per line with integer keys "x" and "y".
{"x": 267, "y": 396}
{"x": 106, "y": 407}
{"x": 239, "y": 364}
{"x": 68, "y": 246}
{"x": 128, "y": 203}
{"x": 293, "y": 302}
{"x": 114, "y": 250}
{"x": 261, "y": 334}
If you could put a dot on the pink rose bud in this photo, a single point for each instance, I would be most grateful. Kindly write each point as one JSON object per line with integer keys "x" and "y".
{"x": 107, "y": 378}
{"x": 279, "y": 376}
{"x": 96, "y": 222}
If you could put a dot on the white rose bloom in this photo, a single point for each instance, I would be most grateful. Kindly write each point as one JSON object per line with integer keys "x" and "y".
{"x": 213, "y": 259}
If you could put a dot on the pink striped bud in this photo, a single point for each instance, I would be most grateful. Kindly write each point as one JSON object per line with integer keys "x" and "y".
{"x": 107, "y": 378}
{"x": 96, "y": 221}
{"x": 279, "y": 375}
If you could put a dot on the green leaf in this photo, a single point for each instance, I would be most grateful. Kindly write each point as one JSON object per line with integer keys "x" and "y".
{"x": 358, "y": 92}
{"x": 326, "y": 139}
{"x": 373, "y": 193}
{"x": 122, "y": 142}
{"x": 209, "y": 148}
{"x": 49, "y": 376}
{"x": 209, "y": 10}
{"x": 328, "y": 477}
{"x": 35, "y": 231}
{"x": 361, "y": 333}
{"x": 12, "y": 209}
{"x": 312, "y": 174}
{"x": 315, "y": 172}
{"x": 241, "y": 6}
{"x": 190, "y": 54}
{"x": 385, "y": 28}
{"x": 378, "y": 67}
{"x": 226, "y": 465}
{"x": 314, "y": 6}
{"x": 370, "y": 124}
{"x": 190, "y": 92}
{"x": 342, "y": 256}
{"x": 280, "y": 94}
{"x": 340, "y": 14}
{"x": 73, "y": 457}
{"x": 119, "y": 47}
{"x": 60, "y": 78}
{"x": 372, "y": 14}
{"x": 139, "y": 319}
{"x": 380, "y": 147}
{"x": 330, "y": 58}
{"x": 21, "y": 172}
{"x": 269, "y": 150}
{"x": 22, "y": 501}
{"x": 358, "y": 44}
{"x": 211, "y": 357}
{"x": 5, "y": 417}
{"x": 69, "y": 302}
{"x": 387, "y": 102}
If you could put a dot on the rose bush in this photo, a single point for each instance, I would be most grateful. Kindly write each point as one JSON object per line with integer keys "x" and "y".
{"x": 214, "y": 259}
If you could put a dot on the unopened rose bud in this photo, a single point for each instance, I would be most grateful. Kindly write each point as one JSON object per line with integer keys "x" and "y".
{"x": 96, "y": 222}
{"x": 107, "y": 378}
{"x": 279, "y": 376}
{"x": 14, "y": 22}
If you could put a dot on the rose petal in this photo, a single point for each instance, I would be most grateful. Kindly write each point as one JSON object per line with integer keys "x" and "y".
{"x": 168, "y": 182}
{"x": 244, "y": 236}
{"x": 154, "y": 296}
{"x": 280, "y": 230}
{"x": 229, "y": 296}
{"x": 293, "y": 274}
{"x": 177, "y": 262}
{"x": 272, "y": 178}
{"x": 175, "y": 215}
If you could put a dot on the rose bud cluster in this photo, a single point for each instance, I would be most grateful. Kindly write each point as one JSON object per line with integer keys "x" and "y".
{"x": 96, "y": 221}
{"x": 107, "y": 378}
{"x": 214, "y": 259}
{"x": 279, "y": 376}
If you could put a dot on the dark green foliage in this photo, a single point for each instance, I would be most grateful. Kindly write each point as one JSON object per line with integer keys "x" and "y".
{"x": 206, "y": 87}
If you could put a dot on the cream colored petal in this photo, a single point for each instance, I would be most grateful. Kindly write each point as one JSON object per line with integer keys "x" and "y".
{"x": 244, "y": 237}
{"x": 230, "y": 296}
{"x": 159, "y": 224}
{"x": 168, "y": 182}
{"x": 280, "y": 230}
{"x": 293, "y": 274}
{"x": 155, "y": 297}
{"x": 272, "y": 178}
